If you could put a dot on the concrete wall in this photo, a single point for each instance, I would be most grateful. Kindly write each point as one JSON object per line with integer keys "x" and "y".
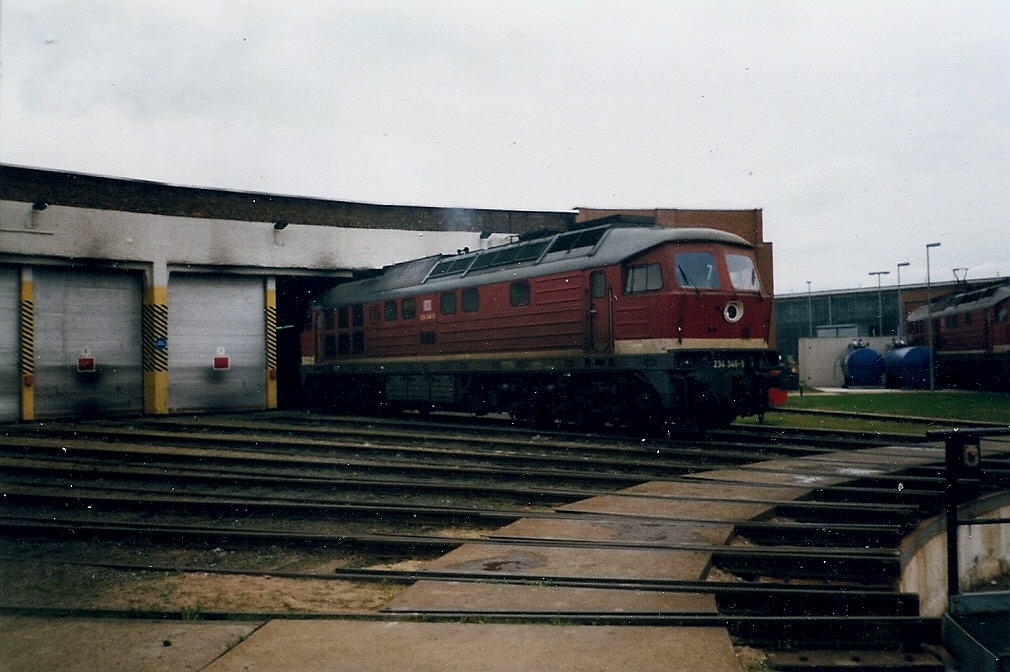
{"x": 821, "y": 358}
{"x": 46, "y": 252}
{"x": 83, "y": 235}
{"x": 983, "y": 554}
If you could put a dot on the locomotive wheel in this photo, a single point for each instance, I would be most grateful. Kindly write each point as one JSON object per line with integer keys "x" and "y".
{"x": 590, "y": 418}
{"x": 534, "y": 410}
{"x": 634, "y": 404}
{"x": 533, "y": 417}
{"x": 709, "y": 411}
{"x": 583, "y": 402}
{"x": 652, "y": 415}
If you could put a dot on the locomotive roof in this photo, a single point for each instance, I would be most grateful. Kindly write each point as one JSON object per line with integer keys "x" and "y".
{"x": 572, "y": 250}
{"x": 965, "y": 302}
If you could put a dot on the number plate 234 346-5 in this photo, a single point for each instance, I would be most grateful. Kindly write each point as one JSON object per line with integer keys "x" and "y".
{"x": 728, "y": 364}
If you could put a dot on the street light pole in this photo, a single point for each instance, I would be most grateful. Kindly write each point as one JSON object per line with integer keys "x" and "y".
{"x": 929, "y": 320}
{"x": 880, "y": 302}
{"x": 901, "y": 309}
{"x": 810, "y": 313}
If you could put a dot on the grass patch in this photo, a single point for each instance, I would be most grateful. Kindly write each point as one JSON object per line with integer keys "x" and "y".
{"x": 832, "y": 423}
{"x": 947, "y": 409}
{"x": 942, "y": 404}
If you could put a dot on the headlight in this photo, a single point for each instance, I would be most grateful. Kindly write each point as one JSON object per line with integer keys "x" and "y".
{"x": 733, "y": 312}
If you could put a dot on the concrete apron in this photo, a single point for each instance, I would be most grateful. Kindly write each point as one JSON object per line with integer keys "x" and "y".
{"x": 699, "y": 510}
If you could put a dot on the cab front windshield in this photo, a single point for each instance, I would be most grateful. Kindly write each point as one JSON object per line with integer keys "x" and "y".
{"x": 742, "y": 274}
{"x": 698, "y": 270}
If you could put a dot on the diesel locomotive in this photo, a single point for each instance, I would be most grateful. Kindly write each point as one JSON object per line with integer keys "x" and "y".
{"x": 971, "y": 336}
{"x": 640, "y": 326}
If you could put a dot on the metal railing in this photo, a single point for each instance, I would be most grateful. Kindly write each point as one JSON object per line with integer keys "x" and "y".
{"x": 963, "y": 481}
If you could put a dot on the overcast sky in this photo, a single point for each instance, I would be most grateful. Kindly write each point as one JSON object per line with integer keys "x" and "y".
{"x": 864, "y": 129}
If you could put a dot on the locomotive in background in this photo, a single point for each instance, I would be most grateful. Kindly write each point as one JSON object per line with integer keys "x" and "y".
{"x": 642, "y": 326}
{"x": 971, "y": 337}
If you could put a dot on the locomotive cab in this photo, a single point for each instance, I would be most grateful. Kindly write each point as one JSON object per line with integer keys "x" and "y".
{"x": 699, "y": 305}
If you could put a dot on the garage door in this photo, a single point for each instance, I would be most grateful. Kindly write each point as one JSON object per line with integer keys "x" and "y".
{"x": 87, "y": 343}
{"x": 216, "y": 343}
{"x": 10, "y": 393}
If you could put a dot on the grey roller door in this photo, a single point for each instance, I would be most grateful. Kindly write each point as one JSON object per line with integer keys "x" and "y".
{"x": 88, "y": 315}
{"x": 211, "y": 316}
{"x": 10, "y": 390}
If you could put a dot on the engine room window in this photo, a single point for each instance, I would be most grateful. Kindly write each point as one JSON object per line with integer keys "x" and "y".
{"x": 390, "y": 311}
{"x": 645, "y": 278}
{"x": 471, "y": 300}
{"x": 742, "y": 273}
{"x": 519, "y": 293}
{"x": 358, "y": 316}
{"x": 448, "y": 303}
{"x": 696, "y": 269}
{"x": 408, "y": 308}
{"x": 598, "y": 284}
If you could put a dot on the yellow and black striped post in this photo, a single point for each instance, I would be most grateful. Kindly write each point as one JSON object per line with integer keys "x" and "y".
{"x": 155, "y": 350}
{"x": 270, "y": 315}
{"x": 27, "y": 331}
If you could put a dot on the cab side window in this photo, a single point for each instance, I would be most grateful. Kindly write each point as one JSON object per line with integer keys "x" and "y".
{"x": 644, "y": 278}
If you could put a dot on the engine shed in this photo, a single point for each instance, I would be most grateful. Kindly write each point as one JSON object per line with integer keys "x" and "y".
{"x": 128, "y": 297}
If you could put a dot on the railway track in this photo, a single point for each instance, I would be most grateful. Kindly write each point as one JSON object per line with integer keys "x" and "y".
{"x": 811, "y": 580}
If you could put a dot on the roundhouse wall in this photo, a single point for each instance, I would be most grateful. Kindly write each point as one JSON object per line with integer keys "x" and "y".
{"x": 85, "y": 225}
{"x": 139, "y": 196}
{"x": 65, "y": 245}
{"x": 69, "y": 227}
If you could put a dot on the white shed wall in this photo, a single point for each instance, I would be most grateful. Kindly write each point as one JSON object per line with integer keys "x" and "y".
{"x": 69, "y": 233}
{"x": 821, "y": 358}
{"x": 10, "y": 355}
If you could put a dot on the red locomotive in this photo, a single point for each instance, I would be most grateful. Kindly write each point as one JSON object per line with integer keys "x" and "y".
{"x": 971, "y": 336}
{"x": 642, "y": 326}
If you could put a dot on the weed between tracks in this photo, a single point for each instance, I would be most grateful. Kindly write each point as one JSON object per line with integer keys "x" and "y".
{"x": 54, "y": 574}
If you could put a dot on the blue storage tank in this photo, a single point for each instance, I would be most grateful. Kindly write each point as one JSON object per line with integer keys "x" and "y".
{"x": 863, "y": 367}
{"x": 907, "y": 367}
